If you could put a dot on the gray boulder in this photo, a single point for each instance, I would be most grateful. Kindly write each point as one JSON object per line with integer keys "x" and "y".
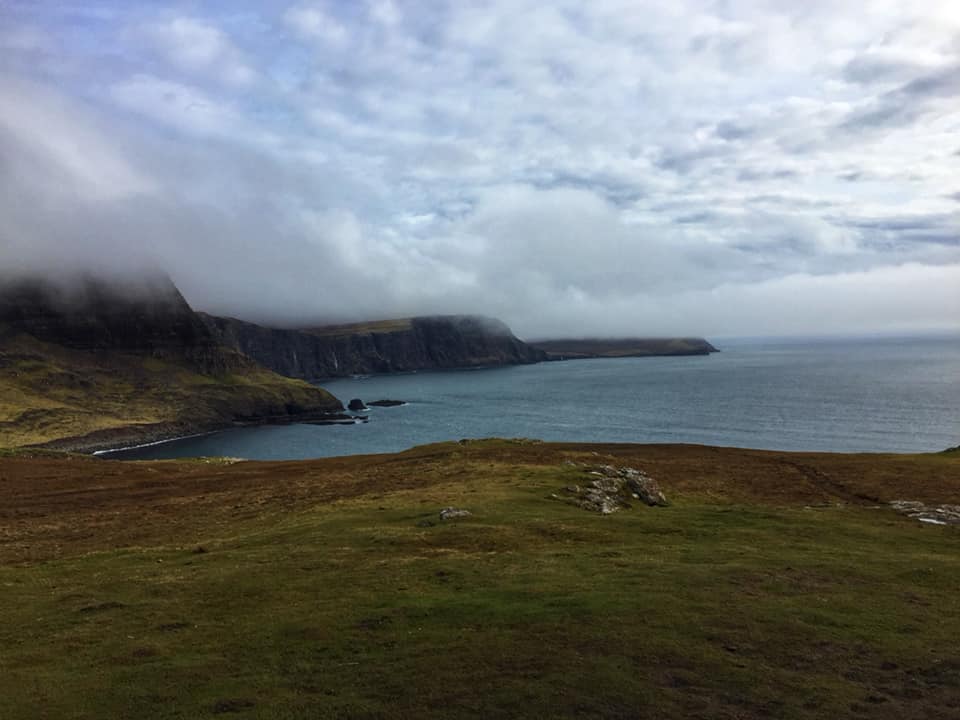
{"x": 610, "y": 489}
{"x": 452, "y": 513}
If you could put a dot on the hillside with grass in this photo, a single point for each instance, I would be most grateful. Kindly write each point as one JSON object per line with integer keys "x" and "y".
{"x": 95, "y": 365}
{"x": 772, "y": 585}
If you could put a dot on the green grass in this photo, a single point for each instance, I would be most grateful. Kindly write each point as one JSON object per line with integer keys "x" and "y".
{"x": 373, "y": 327}
{"x": 49, "y": 393}
{"x": 373, "y": 608}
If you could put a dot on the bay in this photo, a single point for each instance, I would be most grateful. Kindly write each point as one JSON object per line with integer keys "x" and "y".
{"x": 864, "y": 395}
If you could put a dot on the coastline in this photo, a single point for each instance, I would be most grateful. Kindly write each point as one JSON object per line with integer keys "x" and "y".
{"x": 599, "y": 414}
{"x": 130, "y": 437}
{"x": 109, "y": 451}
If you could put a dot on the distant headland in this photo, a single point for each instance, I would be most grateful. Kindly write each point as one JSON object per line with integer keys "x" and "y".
{"x": 436, "y": 342}
{"x": 569, "y": 349}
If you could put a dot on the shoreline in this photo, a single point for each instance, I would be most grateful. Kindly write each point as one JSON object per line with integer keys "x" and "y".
{"x": 107, "y": 442}
{"x": 130, "y": 437}
{"x": 110, "y": 451}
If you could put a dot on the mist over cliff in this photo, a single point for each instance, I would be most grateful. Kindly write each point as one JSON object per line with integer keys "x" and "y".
{"x": 290, "y": 178}
{"x": 143, "y": 314}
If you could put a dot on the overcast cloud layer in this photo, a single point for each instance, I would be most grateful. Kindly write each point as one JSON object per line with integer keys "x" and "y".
{"x": 613, "y": 167}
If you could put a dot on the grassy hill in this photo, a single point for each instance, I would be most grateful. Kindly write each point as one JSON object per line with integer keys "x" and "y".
{"x": 78, "y": 399}
{"x": 774, "y": 585}
{"x": 90, "y": 362}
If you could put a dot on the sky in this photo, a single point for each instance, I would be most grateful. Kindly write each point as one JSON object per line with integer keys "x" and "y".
{"x": 618, "y": 167}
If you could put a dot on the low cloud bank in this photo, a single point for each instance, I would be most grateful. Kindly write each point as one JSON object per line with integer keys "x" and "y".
{"x": 626, "y": 195}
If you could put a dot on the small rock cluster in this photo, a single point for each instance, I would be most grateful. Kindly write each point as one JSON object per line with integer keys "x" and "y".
{"x": 452, "y": 513}
{"x": 358, "y": 405}
{"x": 939, "y": 515}
{"x": 611, "y": 489}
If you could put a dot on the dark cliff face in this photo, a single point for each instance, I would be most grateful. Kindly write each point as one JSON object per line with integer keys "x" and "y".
{"x": 147, "y": 317}
{"x": 422, "y": 343}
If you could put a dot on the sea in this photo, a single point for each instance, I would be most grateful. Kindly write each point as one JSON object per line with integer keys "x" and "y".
{"x": 839, "y": 395}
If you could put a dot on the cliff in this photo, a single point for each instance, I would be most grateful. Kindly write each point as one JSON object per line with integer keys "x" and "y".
{"x": 96, "y": 363}
{"x": 420, "y": 343}
{"x": 624, "y": 347}
{"x": 147, "y": 316}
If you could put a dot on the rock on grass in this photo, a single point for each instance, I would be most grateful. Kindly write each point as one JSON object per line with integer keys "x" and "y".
{"x": 610, "y": 489}
{"x": 452, "y": 513}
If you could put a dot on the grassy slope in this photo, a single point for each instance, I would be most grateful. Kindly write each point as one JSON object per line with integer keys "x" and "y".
{"x": 49, "y": 392}
{"x": 362, "y": 328}
{"x": 772, "y": 587}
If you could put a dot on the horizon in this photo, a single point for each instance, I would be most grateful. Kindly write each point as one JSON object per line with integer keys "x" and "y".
{"x": 706, "y": 169}
{"x": 157, "y": 285}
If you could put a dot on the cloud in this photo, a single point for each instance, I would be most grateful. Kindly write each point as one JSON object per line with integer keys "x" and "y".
{"x": 615, "y": 167}
{"x": 909, "y": 102}
{"x": 795, "y": 304}
{"x": 52, "y": 146}
{"x": 199, "y": 48}
{"x": 313, "y": 23}
{"x": 385, "y": 12}
{"x": 25, "y": 40}
{"x": 182, "y": 107}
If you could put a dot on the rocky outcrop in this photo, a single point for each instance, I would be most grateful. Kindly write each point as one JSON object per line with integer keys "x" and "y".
{"x": 607, "y": 489}
{"x": 420, "y": 343}
{"x": 933, "y": 514}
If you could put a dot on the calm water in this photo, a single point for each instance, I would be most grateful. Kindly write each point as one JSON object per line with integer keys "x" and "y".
{"x": 847, "y": 396}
